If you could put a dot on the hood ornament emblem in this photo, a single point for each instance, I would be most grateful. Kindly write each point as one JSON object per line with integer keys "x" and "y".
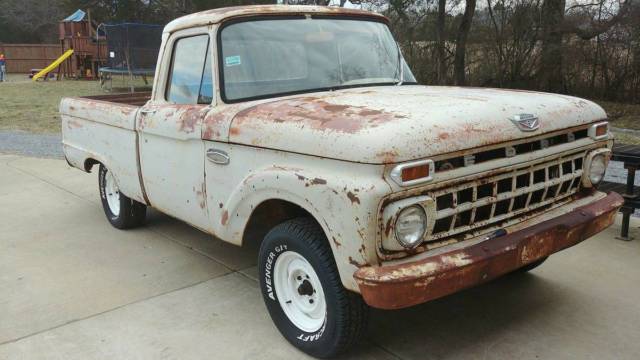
{"x": 526, "y": 122}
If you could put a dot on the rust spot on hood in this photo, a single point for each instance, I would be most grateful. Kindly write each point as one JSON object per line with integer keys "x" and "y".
{"x": 387, "y": 157}
{"x": 316, "y": 113}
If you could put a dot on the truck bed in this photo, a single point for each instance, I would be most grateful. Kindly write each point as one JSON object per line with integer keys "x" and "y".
{"x": 135, "y": 99}
{"x": 102, "y": 129}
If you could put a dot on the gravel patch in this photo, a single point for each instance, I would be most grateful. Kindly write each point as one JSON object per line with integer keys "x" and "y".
{"x": 28, "y": 144}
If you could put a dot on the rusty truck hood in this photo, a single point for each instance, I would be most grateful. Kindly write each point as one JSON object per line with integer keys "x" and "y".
{"x": 391, "y": 124}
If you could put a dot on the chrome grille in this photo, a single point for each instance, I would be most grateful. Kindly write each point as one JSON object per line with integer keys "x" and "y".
{"x": 513, "y": 149}
{"x": 502, "y": 197}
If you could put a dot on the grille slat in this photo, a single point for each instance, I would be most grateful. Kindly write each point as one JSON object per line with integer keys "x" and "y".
{"x": 505, "y": 196}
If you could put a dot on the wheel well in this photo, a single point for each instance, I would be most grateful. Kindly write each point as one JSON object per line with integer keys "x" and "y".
{"x": 267, "y": 215}
{"x": 88, "y": 164}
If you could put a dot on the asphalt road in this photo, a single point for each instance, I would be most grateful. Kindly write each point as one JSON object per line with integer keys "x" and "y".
{"x": 73, "y": 287}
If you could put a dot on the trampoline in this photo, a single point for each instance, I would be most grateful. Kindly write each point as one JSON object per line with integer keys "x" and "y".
{"x": 106, "y": 75}
{"x": 132, "y": 51}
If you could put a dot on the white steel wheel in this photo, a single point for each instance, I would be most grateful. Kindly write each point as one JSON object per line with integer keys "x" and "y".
{"x": 299, "y": 291}
{"x": 303, "y": 292}
{"x": 112, "y": 193}
{"x": 121, "y": 211}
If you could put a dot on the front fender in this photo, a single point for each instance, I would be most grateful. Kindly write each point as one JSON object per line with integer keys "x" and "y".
{"x": 345, "y": 207}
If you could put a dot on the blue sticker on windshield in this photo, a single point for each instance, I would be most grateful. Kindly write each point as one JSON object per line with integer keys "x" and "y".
{"x": 232, "y": 60}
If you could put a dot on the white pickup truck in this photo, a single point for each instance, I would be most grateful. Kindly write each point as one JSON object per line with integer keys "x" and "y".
{"x": 302, "y": 129}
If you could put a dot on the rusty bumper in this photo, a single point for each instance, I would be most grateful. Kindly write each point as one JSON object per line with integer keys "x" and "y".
{"x": 407, "y": 284}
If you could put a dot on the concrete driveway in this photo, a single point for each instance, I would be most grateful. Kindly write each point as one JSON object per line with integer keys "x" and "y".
{"x": 73, "y": 287}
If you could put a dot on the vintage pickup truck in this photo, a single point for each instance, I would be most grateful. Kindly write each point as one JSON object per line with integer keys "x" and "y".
{"x": 302, "y": 129}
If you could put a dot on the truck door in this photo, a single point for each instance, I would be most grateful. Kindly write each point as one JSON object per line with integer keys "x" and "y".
{"x": 170, "y": 142}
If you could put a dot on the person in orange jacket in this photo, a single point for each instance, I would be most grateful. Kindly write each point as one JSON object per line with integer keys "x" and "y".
{"x": 3, "y": 68}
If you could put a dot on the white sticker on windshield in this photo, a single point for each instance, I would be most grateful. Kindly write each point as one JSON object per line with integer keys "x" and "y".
{"x": 232, "y": 60}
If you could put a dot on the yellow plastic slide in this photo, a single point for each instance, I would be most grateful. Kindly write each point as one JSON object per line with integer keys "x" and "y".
{"x": 53, "y": 65}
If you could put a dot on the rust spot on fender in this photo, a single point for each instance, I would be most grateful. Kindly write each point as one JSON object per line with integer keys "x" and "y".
{"x": 310, "y": 182}
{"x": 355, "y": 263}
{"x": 335, "y": 241}
{"x": 225, "y": 217}
{"x": 353, "y": 197}
{"x": 317, "y": 181}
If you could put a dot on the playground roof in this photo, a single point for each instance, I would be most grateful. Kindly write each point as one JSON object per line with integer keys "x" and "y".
{"x": 215, "y": 16}
{"x": 75, "y": 17}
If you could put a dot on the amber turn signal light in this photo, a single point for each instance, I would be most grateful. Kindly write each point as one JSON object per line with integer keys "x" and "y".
{"x": 599, "y": 131}
{"x": 416, "y": 172}
{"x": 413, "y": 173}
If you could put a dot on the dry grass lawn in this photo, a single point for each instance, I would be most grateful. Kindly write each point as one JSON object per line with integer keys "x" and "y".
{"x": 33, "y": 106}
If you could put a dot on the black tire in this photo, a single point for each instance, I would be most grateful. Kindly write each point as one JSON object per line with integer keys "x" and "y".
{"x": 530, "y": 266}
{"x": 132, "y": 213}
{"x": 346, "y": 313}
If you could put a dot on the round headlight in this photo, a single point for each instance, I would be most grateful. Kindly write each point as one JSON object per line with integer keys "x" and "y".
{"x": 597, "y": 169}
{"x": 410, "y": 226}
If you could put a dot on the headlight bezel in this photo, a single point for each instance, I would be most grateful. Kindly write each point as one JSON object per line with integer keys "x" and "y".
{"x": 390, "y": 214}
{"x": 416, "y": 210}
{"x": 605, "y": 155}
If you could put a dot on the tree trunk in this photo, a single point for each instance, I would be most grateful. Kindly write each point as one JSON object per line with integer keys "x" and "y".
{"x": 550, "y": 73}
{"x": 461, "y": 42}
{"x": 440, "y": 46}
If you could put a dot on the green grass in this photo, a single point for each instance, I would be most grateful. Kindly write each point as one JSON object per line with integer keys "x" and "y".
{"x": 33, "y": 106}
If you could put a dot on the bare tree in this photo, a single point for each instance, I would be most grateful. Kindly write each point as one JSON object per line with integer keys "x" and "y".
{"x": 441, "y": 45}
{"x": 461, "y": 42}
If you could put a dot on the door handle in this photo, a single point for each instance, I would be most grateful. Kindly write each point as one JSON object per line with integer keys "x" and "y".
{"x": 218, "y": 156}
{"x": 147, "y": 111}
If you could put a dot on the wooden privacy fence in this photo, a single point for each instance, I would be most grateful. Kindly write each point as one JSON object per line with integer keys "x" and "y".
{"x": 21, "y": 58}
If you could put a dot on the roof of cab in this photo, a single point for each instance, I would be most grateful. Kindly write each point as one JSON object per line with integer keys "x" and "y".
{"x": 215, "y": 16}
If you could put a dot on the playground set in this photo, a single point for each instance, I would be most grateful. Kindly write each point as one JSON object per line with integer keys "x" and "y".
{"x": 100, "y": 51}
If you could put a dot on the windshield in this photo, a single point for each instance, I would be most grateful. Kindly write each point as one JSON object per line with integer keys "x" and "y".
{"x": 262, "y": 58}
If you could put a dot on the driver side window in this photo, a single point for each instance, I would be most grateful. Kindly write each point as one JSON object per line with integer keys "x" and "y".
{"x": 190, "y": 77}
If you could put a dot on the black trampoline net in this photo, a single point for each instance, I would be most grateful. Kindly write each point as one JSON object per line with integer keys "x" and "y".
{"x": 132, "y": 48}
